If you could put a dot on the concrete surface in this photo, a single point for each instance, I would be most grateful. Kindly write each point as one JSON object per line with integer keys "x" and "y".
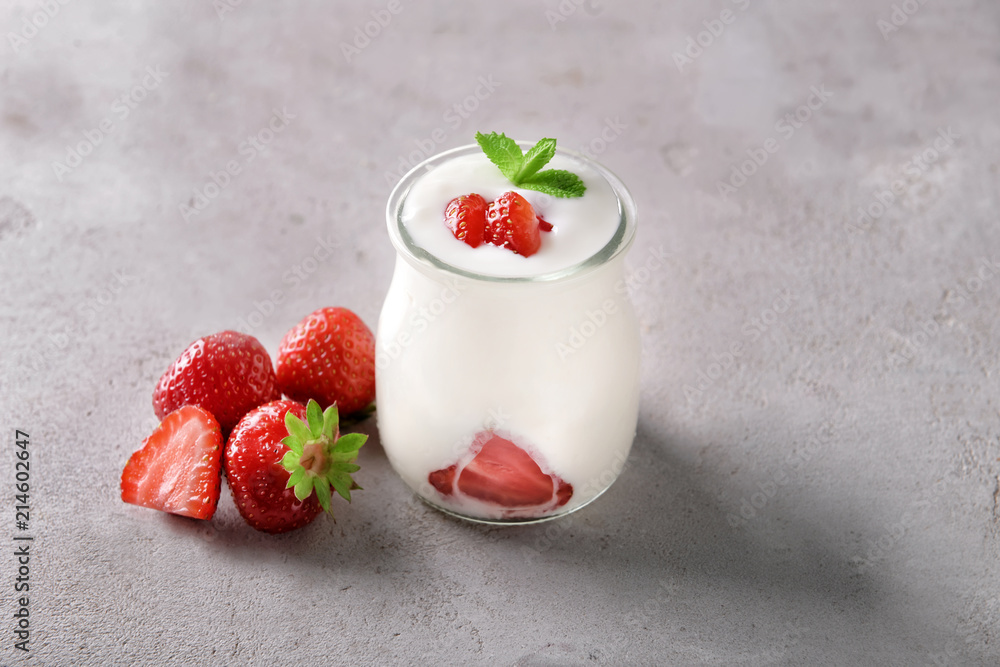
{"x": 815, "y": 476}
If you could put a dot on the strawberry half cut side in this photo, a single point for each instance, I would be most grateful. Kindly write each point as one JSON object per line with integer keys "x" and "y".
{"x": 465, "y": 216}
{"x": 177, "y": 470}
{"x": 504, "y": 475}
{"x": 511, "y": 223}
{"x": 444, "y": 480}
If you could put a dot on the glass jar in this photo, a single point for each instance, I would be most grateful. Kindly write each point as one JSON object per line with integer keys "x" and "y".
{"x": 539, "y": 420}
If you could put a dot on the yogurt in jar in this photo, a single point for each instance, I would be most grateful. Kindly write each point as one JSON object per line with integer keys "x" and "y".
{"x": 507, "y": 386}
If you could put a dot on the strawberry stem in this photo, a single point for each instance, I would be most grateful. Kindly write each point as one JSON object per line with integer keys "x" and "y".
{"x": 318, "y": 457}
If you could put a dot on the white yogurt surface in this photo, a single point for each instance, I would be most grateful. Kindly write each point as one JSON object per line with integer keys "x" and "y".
{"x": 582, "y": 225}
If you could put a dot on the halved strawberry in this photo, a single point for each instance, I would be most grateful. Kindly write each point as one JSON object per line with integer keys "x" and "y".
{"x": 177, "y": 469}
{"x": 444, "y": 479}
{"x": 503, "y": 474}
{"x": 511, "y": 223}
{"x": 465, "y": 216}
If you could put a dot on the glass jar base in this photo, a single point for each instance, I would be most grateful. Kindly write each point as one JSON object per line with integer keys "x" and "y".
{"x": 517, "y": 521}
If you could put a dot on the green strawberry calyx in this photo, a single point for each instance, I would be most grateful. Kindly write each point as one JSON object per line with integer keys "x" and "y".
{"x": 318, "y": 457}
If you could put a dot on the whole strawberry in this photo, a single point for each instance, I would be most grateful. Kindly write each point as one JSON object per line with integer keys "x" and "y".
{"x": 330, "y": 357}
{"x": 281, "y": 468}
{"x": 227, "y": 373}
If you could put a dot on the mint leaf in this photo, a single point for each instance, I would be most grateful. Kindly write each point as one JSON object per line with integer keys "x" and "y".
{"x": 556, "y": 182}
{"x": 502, "y": 151}
{"x": 535, "y": 159}
{"x": 521, "y": 169}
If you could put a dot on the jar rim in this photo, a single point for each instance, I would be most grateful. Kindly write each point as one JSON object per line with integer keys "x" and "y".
{"x": 423, "y": 260}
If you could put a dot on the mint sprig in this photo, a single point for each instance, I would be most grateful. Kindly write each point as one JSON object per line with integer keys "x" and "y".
{"x": 522, "y": 169}
{"x": 318, "y": 457}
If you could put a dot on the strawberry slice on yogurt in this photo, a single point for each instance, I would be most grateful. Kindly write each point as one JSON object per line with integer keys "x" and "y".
{"x": 503, "y": 475}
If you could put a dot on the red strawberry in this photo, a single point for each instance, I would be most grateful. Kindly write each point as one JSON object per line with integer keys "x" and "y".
{"x": 466, "y": 218}
{"x": 512, "y": 223}
{"x": 280, "y": 468}
{"x": 330, "y": 357}
{"x": 503, "y": 474}
{"x": 227, "y": 373}
{"x": 177, "y": 469}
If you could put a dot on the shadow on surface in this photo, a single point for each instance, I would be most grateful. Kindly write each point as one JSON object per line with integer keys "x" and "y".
{"x": 776, "y": 577}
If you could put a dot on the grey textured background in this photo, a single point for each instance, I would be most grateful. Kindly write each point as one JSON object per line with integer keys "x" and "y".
{"x": 827, "y": 497}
